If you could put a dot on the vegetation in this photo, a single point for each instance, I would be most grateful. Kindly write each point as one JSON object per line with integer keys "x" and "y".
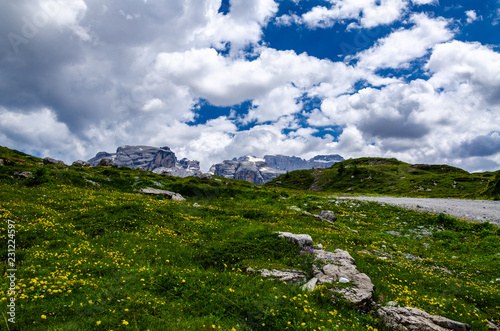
{"x": 393, "y": 177}
{"x": 94, "y": 254}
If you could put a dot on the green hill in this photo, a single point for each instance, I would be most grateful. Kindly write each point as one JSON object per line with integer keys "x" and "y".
{"x": 391, "y": 177}
{"x": 90, "y": 252}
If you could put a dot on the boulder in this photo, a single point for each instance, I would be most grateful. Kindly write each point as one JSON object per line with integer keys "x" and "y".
{"x": 80, "y": 163}
{"x": 340, "y": 267}
{"x": 204, "y": 176}
{"x": 287, "y": 276}
{"x": 327, "y": 215}
{"x": 301, "y": 240}
{"x": 168, "y": 194}
{"x": 106, "y": 162}
{"x": 24, "y": 174}
{"x": 49, "y": 160}
{"x": 412, "y": 319}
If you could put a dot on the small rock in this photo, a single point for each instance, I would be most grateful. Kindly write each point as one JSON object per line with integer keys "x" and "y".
{"x": 310, "y": 285}
{"x": 204, "y": 176}
{"x": 80, "y": 163}
{"x": 49, "y": 160}
{"x": 392, "y": 304}
{"x": 287, "y": 276}
{"x": 250, "y": 270}
{"x": 105, "y": 162}
{"x": 196, "y": 205}
{"x": 318, "y": 246}
{"x": 24, "y": 174}
{"x": 301, "y": 240}
{"x": 328, "y": 216}
{"x": 394, "y": 233}
{"x": 171, "y": 195}
{"x": 1, "y": 162}
{"x": 407, "y": 318}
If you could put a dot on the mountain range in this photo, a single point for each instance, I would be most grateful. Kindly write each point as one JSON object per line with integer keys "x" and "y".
{"x": 249, "y": 168}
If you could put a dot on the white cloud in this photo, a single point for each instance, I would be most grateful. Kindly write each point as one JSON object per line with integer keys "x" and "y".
{"x": 39, "y": 132}
{"x": 471, "y": 16}
{"x": 469, "y": 67}
{"x": 369, "y": 13}
{"x": 405, "y": 45}
{"x": 283, "y": 100}
{"x": 424, "y": 2}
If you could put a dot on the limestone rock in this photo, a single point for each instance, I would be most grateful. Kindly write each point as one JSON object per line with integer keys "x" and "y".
{"x": 287, "y": 276}
{"x": 340, "y": 267}
{"x": 1, "y": 162}
{"x": 204, "y": 176}
{"x": 301, "y": 240}
{"x": 168, "y": 194}
{"x": 262, "y": 170}
{"x": 80, "y": 163}
{"x": 412, "y": 319}
{"x": 327, "y": 215}
{"x": 151, "y": 159}
{"x": 105, "y": 162}
{"x": 310, "y": 285}
{"x": 49, "y": 160}
{"x": 24, "y": 174}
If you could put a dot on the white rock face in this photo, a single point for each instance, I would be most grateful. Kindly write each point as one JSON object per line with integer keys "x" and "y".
{"x": 168, "y": 194}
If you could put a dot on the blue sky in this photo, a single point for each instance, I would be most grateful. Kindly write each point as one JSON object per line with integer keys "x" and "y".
{"x": 418, "y": 80}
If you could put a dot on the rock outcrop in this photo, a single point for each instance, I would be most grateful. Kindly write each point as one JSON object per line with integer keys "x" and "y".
{"x": 260, "y": 171}
{"x": 167, "y": 194}
{"x": 49, "y": 160}
{"x": 248, "y": 168}
{"x": 340, "y": 267}
{"x": 412, "y": 319}
{"x": 149, "y": 158}
{"x": 287, "y": 276}
{"x": 80, "y": 163}
{"x": 301, "y": 240}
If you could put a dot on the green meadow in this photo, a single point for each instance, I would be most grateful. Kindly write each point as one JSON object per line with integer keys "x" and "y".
{"x": 92, "y": 253}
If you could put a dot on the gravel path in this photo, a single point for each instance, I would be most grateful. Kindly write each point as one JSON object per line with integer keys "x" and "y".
{"x": 474, "y": 210}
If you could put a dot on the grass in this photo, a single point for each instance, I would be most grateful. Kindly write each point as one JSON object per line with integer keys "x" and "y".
{"x": 93, "y": 254}
{"x": 393, "y": 177}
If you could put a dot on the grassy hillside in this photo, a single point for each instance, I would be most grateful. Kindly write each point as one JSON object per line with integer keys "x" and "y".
{"x": 392, "y": 177}
{"x": 92, "y": 253}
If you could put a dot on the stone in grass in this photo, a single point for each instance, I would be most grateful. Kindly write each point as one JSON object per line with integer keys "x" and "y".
{"x": 49, "y": 160}
{"x": 287, "y": 276}
{"x": 80, "y": 163}
{"x": 412, "y": 319}
{"x": 168, "y": 194}
{"x": 340, "y": 266}
{"x": 301, "y": 240}
{"x": 327, "y": 215}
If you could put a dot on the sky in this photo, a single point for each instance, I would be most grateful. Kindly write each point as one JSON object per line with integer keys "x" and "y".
{"x": 417, "y": 80}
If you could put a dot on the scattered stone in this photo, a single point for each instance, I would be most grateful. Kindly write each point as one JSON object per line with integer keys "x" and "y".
{"x": 392, "y": 304}
{"x": 168, "y": 194}
{"x": 426, "y": 245}
{"x": 310, "y": 285}
{"x": 318, "y": 246}
{"x": 158, "y": 184}
{"x": 394, "y": 233}
{"x": 493, "y": 326}
{"x": 295, "y": 208}
{"x": 24, "y": 174}
{"x": 92, "y": 182}
{"x": 80, "y": 163}
{"x": 196, "y": 205}
{"x": 340, "y": 264}
{"x": 407, "y": 318}
{"x": 204, "y": 176}
{"x": 105, "y": 162}
{"x": 301, "y": 240}
{"x": 49, "y": 160}
{"x": 327, "y": 215}
{"x": 1, "y": 162}
{"x": 250, "y": 270}
{"x": 287, "y": 276}
{"x": 413, "y": 257}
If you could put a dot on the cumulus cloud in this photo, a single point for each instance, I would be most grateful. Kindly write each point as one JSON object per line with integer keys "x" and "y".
{"x": 368, "y": 13}
{"x": 405, "y": 45}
